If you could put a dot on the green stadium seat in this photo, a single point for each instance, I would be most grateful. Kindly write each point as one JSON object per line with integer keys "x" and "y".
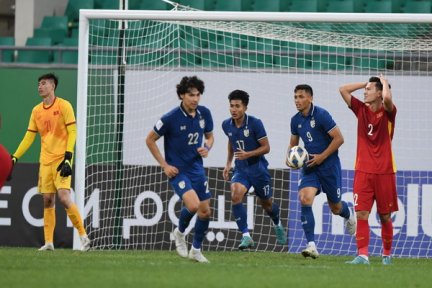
{"x": 36, "y": 56}
{"x": 284, "y": 5}
{"x": 58, "y": 22}
{"x": 57, "y": 35}
{"x": 254, "y": 60}
{"x": 134, "y": 4}
{"x": 215, "y": 60}
{"x": 359, "y": 5}
{"x": 322, "y": 5}
{"x": 153, "y": 5}
{"x": 106, "y": 4}
{"x": 303, "y": 6}
{"x": 7, "y": 56}
{"x": 67, "y": 57}
{"x": 73, "y": 7}
{"x": 340, "y": 6}
{"x": 417, "y": 7}
{"x": 397, "y": 6}
{"x": 232, "y": 5}
{"x": 384, "y": 6}
{"x": 105, "y": 54}
{"x": 265, "y": 5}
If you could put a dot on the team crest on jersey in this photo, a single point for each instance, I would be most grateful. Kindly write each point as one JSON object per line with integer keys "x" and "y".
{"x": 312, "y": 123}
{"x": 246, "y": 132}
{"x": 299, "y": 126}
{"x": 202, "y": 123}
{"x": 182, "y": 184}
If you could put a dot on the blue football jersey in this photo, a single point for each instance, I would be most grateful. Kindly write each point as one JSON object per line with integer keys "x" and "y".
{"x": 313, "y": 129}
{"x": 245, "y": 137}
{"x": 183, "y": 135}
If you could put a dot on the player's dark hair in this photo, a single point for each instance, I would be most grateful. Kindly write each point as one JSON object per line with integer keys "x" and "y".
{"x": 188, "y": 83}
{"x": 377, "y": 82}
{"x": 49, "y": 76}
{"x": 304, "y": 87}
{"x": 239, "y": 95}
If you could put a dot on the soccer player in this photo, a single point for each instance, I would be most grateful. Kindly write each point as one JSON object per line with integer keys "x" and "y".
{"x": 188, "y": 137}
{"x": 248, "y": 143}
{"x": 54, "y": 120}
{"x": 375, "y": 168}
{"x": 5, "y": 164}
{"x": 322, "y": 139}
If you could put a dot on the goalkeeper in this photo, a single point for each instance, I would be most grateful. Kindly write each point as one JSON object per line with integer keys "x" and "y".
{"x": 54, "y": 120}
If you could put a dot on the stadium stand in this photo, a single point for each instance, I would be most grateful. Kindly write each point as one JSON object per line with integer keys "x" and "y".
{"x": 36, "y": 56}
{"x": 7, "y": 56}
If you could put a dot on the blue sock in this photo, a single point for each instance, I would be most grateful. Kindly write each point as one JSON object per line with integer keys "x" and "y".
{"x": 184, "y": 220}
{"x": 201, "y": 226}
{"x": 345, "y": 212}
{"x": 240, "y": 217}
{"x": 308, "y": 222}
{"x": 274, "y": 214}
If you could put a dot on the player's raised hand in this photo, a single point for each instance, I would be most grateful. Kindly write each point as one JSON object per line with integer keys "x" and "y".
{"x": 14, "y": 160}
{"x": 65, "y": 166}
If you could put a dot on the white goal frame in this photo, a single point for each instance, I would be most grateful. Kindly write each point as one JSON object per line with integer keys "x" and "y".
{"x": 86, "y": 15}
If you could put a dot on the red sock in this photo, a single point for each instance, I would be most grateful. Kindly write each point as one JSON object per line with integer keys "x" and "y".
{"x": 387, "y": 237}
{"x": 362, "y": 237}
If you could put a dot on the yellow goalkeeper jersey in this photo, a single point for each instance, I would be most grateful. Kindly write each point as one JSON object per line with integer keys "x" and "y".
{"x": 51, "y": 122}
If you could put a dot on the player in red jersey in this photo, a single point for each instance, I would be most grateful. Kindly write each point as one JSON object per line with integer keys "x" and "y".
{"x": 5, "y": 163}
{"x": 375, "y": 168}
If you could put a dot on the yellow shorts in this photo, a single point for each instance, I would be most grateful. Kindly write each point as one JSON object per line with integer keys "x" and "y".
{"x": 50, "y": 180}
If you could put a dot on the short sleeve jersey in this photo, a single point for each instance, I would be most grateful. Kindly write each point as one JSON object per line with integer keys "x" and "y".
{"x": 245, "y": 137}
{"x": 183, "y": 135}
{"x": 374, "y": 136}
{"x": 51, "y": 122}
{"x": 313, "y": 129}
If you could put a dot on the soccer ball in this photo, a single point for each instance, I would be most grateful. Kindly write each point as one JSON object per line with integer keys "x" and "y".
{"x": 297, "y": 156}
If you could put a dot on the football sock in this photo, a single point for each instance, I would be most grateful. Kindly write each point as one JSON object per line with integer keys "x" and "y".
{"x": 362, "y": 237}
{"x": 76, "y": 220}
{"x": 185, "y": 218}
{"x": 201, "y": 226}
{"x": 240, "y": 217}
{"x": 49, "y": 224}
{"x": 274, "y": 213}
{"x": 345, "y": 212}
{"x": 387, "y": 237}
{"x": 308, "y": 223}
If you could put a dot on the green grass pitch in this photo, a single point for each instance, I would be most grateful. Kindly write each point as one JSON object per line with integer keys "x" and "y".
{"x": 27, "y": 267}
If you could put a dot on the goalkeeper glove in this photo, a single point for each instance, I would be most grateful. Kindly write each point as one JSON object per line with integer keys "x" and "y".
{"x": 14, "y": 160}
{"x": 65, "y": 166}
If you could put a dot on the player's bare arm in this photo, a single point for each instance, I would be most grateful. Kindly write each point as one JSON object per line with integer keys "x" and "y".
{"x": 151, "y": 139}
{"x": 337, "y": 141}
{"x": 347, "y": 89}
{"x": 228, "y": 164}
{"x": 264, "y": 148}
{"x": 386, "y": 94}
{"x": 204, "y": 151}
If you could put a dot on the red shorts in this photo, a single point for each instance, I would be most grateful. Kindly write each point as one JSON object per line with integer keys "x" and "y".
{"x": 5, "y": 165}
{"x": 379, "y": 187}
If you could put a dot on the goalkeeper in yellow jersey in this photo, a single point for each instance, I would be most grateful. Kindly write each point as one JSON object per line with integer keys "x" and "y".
{"x": 54, "y": 120}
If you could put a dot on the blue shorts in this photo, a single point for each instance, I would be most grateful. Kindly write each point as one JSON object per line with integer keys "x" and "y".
{"x": 183, "y": 183}
{"x": 328, "y": 179}
{"x": 255, "y": 176}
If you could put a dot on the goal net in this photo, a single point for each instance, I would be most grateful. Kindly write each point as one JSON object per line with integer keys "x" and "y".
{"x": 131, "y": 61}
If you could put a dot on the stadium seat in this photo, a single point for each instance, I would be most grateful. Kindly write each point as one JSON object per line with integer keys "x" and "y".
{"x": 303, "y": 6}
{"x": 36, "y": 56}
{"x": 232, "y": 5}
{"x": 57, "y": 35}
{"x": 417, "y": 7}
{"x": 55, "y": 22}
{"x": 397, "y": 6}
{"x": 7, "y": 56}
{"x": 215, "y": 60}
{"x": 134, "y": 4}
{"x": 359, "y": 6}
{"x": 265, "y": 5}
{"x": 73, "y": 7}
{"x": 106, "y": 4}
{"x": 153, "y": 5}
{"x": 340, "y": 6}
{"x": 67, "y": 57}
{"x": 384, "y": 6}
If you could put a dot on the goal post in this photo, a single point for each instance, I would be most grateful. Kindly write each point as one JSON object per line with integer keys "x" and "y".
{"x": 129, "y": 64}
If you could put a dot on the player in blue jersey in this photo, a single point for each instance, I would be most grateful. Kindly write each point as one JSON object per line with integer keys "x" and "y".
{"x": 322, "y": 139}
{"x": 188, "y": 137}
{"x": 248, "y": 143}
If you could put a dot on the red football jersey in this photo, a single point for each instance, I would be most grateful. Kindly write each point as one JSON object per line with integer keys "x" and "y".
{"x": 5, "y": 165}
{"x": 374, "y": 136}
